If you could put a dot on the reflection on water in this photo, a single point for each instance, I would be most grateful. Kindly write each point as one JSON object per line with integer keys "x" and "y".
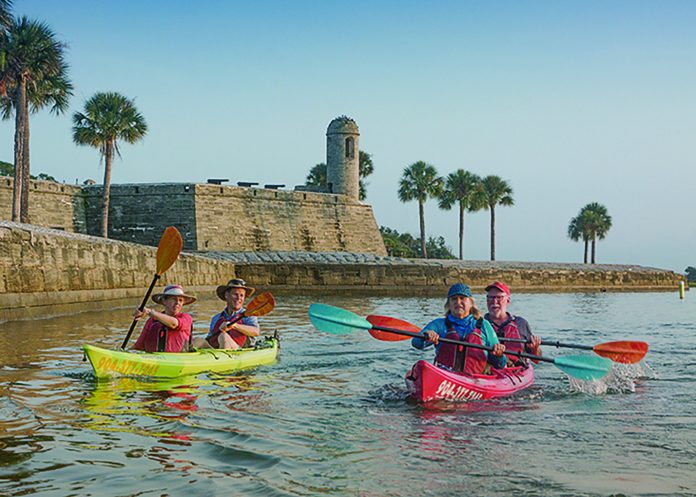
{"x": 333, "y": 417}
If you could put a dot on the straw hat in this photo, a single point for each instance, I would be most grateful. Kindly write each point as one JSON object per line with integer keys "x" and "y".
{"x": 173, "y": 291}
{"x": 234, "y": 283}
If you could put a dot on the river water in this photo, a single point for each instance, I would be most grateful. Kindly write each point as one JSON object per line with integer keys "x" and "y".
{"x": 332, "y": 417}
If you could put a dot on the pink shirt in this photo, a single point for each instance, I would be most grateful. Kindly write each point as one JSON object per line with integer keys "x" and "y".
{"x": 177, "y": 338}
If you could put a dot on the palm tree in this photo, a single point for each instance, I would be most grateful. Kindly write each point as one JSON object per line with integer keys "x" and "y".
{"x": 577, "y": 231}
{"x": 418, "y": 182}
{"x": 108, "y": 117}
{"x": 493, "y": 191}
{"x": 365, "y": 168}
{"x": 592, "y": 222}
{"x": 460, "y": 188}
{"x": 598, "y": 223}
{"x": 34, "y": 74}
{"x": 5, "y": 15}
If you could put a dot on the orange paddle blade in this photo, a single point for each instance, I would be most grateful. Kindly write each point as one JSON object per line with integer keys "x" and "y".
{"x": 388, "y": 322}
{"x": 626, "y": 352}
{"x": 169, "y": 248}
{"x": 260, "y": 305}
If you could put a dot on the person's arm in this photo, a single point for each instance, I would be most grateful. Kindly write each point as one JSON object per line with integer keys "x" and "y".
{"x": 490, "y": 339}
{"x": 434, "y": 330}
{"x": 169, "y": 321}
{"x": 248, "y": 326}
{"x": 533, "y": 345}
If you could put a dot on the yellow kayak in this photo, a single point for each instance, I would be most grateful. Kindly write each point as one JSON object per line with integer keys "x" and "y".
{"x": 108, "y": 363}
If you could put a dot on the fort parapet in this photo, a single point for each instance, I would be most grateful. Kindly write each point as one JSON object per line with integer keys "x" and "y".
{"x": 209, "y": 217}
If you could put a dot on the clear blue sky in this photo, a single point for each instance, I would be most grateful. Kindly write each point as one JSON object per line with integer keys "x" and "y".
{"x": 570, "y": 102}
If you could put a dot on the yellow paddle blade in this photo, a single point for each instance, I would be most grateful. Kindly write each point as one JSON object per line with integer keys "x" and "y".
{"x": 169, "y": 248}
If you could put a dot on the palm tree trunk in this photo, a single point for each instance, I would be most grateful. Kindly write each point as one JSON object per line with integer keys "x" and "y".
{"x": 19, "y": 143}
{"x": 492, "y": 207}
{"x": 587, "y": 246}
{"x": 421, "y": 213}
{"x": 26, "y": 177}
{"x": 461, "y": 231}
{"x": 108, "y": 159}
{"x": 593, "y": 247}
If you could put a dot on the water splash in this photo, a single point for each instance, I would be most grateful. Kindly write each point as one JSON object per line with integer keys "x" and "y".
{"x": 621, "y": 379}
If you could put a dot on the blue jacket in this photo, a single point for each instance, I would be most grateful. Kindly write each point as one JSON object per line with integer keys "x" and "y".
{"x": 488, "y": 336}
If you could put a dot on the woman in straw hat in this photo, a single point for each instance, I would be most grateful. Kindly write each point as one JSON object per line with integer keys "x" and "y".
{"x": 224, "y": 333}
{"x": 168, "y": 331}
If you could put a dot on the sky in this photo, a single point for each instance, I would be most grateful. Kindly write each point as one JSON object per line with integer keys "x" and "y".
{"x": 570, "y": 102}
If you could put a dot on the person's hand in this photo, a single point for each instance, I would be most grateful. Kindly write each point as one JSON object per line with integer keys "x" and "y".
{"x": 137, "y": 314}
{"x": 498, "y": 349}
{"x": 534, "y": 345}
{"x": 432, "y": 337}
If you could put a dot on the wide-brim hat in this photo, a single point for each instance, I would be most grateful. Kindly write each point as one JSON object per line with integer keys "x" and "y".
{"x": 234, "y": 283}
{"x": 173, "y": 291}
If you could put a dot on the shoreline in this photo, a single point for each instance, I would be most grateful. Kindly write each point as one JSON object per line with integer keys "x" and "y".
{"x": 46, "y": 272}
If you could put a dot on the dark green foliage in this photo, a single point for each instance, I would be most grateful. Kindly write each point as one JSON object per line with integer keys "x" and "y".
{"x": 691, "y": 273}
{"x": 405, "y": 245}
{"x": 7, "y": 169}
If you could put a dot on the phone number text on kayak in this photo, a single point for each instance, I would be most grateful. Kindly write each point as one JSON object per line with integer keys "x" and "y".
{"x": 126, "y": 366}
{"x": 449, "y": 390}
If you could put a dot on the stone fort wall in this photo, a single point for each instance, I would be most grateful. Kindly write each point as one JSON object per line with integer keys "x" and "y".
{"x": 51, "y": 204}
{"x": 209, "y": 217}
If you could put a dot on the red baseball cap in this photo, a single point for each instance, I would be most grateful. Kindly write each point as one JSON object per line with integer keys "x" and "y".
{"x": 500, "y": 286}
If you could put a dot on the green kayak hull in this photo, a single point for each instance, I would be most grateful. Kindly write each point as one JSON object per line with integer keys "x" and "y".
{"x": 107, "y": 363}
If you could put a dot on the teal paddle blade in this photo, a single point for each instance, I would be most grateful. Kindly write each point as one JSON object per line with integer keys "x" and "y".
{"x": 583, "y": 367}
{"x": 336, "y": 320}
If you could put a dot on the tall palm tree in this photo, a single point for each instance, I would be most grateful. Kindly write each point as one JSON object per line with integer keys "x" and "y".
{"x": 108, "y": 117}
{"x": 418, "y": 182}
{"x": 34, "y": 74}
{"x": 598, "y": 224}
{"x": 460, "y": 188}
{"x": 493, "y": 191}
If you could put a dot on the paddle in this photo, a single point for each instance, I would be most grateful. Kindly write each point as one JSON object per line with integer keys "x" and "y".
{"x": 260, "y": 305}
{"x": 626, "y": 352}
{"x": 340, "y": 321}
{"x": 169, "y": 248}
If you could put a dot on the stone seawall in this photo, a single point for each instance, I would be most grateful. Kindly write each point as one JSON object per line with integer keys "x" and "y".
{"x": 45, "y": 272}
{"x": 369, "y": 274}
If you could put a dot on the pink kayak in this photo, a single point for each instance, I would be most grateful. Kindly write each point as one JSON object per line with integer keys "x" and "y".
{"x": 428, "y": 382}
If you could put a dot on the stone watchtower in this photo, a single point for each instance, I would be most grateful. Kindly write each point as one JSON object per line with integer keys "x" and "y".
{"x": 343, "y": 157}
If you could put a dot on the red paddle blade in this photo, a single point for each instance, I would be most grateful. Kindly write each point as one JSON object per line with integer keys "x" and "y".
{"x": 260, "y": 305}
{"x": 626, "y": 352}
{"x": 169, "y": 248}
{"x": 387, "y": 322}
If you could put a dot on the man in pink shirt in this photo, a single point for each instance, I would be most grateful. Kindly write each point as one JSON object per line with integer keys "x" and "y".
{"x": 167, "y": 331}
